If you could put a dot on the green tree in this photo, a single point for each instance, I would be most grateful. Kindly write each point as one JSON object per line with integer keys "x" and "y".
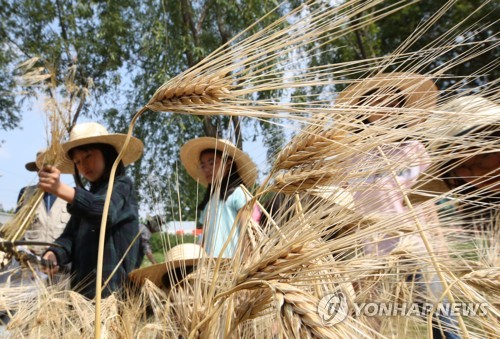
{"x": 469, "y": 21}
{"x": 93, "y": 35}
{"x": 470, "y": 17}
{"x": 170, "y": 37}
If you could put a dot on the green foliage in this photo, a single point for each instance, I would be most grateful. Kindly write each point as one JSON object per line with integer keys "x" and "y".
{"x": 462, "y": 16}
{"x": 170, "y": 37}
{"x": 92, "y": 35}
{"x": 162, "y": 242}
{"x": 10, "y": 211}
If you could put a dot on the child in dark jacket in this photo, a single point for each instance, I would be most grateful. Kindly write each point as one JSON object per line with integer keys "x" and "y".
{"x": 92, "y": 152}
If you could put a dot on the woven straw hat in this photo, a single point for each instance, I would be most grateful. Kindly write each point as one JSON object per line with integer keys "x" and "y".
{"x": 92, "y": 133}
{"x": 482, "y": 113}
{"x": 482, "y": 110}
{"x": 419, "y": 90}
{"x": 334, "y": 194}
{"x": 474, "y": 104}
{"x": 32, "y": 165}
{"x": 183, "y": 255}
{"x": 190, "y": 158}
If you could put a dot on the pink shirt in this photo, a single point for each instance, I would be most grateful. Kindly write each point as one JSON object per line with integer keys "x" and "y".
{"x": 382, "y": 176}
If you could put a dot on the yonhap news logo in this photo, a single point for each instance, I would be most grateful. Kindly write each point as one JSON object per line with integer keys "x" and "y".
{"x": 333, "y": 309}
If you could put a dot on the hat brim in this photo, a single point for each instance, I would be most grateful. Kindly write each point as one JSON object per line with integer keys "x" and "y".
{"x": 428, "y": 190}
{"x": 472, "y": 110}
{"x": 334, "y": 194}
{"x": 419, "y": 90}
{"x": 182, "y": 255}
{"x": 155, "y": 273}
{"x": 31, "y": 166}
{"x": 133, "y": 152}
{"x": 190, "y": 158}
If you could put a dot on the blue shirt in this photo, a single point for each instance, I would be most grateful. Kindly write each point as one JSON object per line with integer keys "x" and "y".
{"x": 219, "y": 217}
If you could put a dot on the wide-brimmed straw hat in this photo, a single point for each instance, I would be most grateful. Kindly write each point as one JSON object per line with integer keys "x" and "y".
{"x": 32, "y": 165}
{"x": 190, "y": 158}
{"x": 94, "y": 133}
{"x": 476, "y": 111}
{"x": 183, "y": 255}
{"x": 334, "y": 194}
{"x": 418, "y": 90}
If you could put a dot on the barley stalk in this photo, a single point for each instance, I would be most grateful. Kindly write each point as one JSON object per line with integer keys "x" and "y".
{"x": 199, "y": 90}
{"x": 308, "y": 148}
{"x": 302, "y": 179}
{"x": 300, "y": 317}
{"x": 487, "y": 280}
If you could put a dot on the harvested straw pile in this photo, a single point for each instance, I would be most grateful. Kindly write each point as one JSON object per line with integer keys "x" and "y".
{"x": 317, "y": 243}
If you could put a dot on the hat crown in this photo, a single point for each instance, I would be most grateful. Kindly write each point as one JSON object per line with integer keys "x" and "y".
{"x": 190, "y": 158}
{"x": 88, "y": 133}
{"x": 184, "y": 252}
{"x": 87, "y": 130}
{"x": 472, "y": 104}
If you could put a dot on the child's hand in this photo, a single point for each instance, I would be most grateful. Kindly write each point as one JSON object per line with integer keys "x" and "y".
{"x": 51, "y": 258}
{"x": 49, "y": 179}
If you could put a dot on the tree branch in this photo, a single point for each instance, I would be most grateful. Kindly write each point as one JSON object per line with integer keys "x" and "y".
{"x": 223, "y": 33}
{"x": 360, "y": 45}
{"x": 203, "y": 15}
{"x": 187, "y": 16}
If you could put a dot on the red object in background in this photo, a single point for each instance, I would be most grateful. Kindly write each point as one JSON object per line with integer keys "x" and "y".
{"x": 197, "y": 231}
{"x": 179, "y": 232}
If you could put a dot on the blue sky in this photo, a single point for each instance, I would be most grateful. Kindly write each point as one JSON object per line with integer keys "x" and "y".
{"x": 19, "y": 147}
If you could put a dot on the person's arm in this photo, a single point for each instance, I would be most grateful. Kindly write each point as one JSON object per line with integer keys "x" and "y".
{"x": 238, "y": 201}
{"x": 151, "y": 257}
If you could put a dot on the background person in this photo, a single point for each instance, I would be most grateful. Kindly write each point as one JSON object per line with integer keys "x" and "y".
{"x": 395, "y": 101}
{"x": 51, "y": 215}
{"x": 474, "y": 177}
{"x": 147, "y": 230}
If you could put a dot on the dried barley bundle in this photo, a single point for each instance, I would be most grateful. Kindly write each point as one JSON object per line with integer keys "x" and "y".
{"x": 60, "y": 112}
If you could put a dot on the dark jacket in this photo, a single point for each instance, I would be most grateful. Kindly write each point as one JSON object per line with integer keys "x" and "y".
{"x": 80, "y": 238}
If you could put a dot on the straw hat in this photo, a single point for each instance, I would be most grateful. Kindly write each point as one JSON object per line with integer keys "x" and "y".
{"x": 190, "y": 158}
{"x": 473, "y": 104}
{"x": 430, "y": 188}
{"x": 93, "y": 133}
{"x": 482, "y": 112}
{"x": 32, "y": 165}
{"x": 419, "y": 90}
{"x": 334, "y": 194}
{"x": 183, "y": 255}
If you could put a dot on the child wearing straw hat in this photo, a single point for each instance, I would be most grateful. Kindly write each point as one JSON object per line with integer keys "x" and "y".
{"x": 388, "y": 170}
{"x": 91, "y": 152}
{"x": 472, "y": 170}
{"x": 221, "y": 167}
